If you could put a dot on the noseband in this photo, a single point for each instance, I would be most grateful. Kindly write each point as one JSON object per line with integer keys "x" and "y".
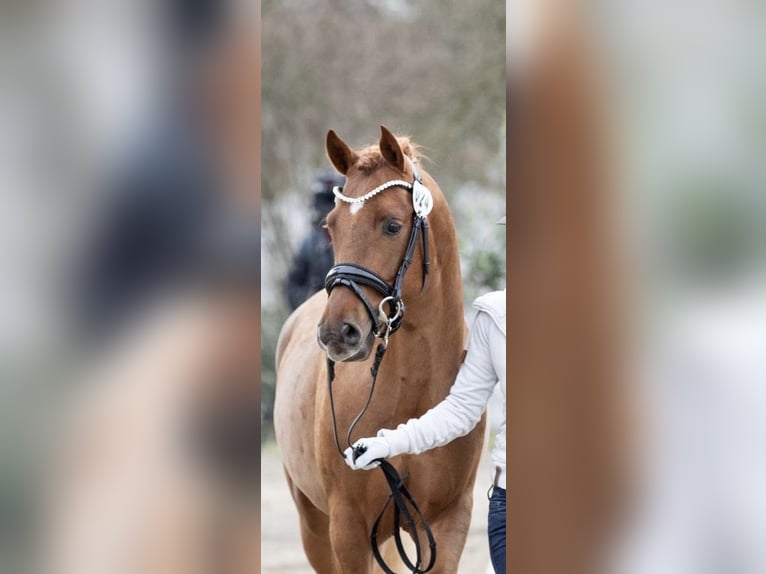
{"x": 351, "y": 275}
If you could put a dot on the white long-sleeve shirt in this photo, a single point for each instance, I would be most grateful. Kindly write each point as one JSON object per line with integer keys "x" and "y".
{"x": 461, "y": 410}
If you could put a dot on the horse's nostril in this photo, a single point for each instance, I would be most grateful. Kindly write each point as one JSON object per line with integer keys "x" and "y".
{"x": 350, "y": 334}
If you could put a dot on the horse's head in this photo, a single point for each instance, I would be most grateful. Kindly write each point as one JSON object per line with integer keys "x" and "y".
{"x": 370, "y": 239}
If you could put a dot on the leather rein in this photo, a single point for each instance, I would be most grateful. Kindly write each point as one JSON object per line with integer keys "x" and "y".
{"x": 351, "y": 276}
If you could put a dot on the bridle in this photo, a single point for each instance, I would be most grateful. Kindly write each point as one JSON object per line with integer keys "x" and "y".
{"x": 351, "y": 276}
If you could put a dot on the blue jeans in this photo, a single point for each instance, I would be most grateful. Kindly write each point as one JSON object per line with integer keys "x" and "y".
{"x": 496, "y": 529}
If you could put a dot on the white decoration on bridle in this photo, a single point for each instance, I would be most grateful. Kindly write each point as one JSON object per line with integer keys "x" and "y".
{"x": 422, "y": 200}
{"x": 370, "y": 194}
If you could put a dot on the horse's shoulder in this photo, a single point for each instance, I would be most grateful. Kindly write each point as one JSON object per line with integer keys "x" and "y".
{"x": 303, "y": 320}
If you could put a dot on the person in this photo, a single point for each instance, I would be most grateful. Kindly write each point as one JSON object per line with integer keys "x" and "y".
{"x": 314, "y": 257}
{"x": 455, "y": 416}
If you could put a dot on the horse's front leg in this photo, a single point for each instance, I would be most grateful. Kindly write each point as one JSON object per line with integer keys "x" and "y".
{"x": 315, "y": 532}
{"x": 450, "y": 529}
{"x": 350, "y": 539}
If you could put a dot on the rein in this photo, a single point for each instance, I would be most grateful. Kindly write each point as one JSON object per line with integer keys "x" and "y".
{"x": 351, "y": 275}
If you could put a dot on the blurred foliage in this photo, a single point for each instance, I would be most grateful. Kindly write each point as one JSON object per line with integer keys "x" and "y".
{"x": 488, "y": 268}
{"x": 434, "y": 70}
{"x": 710, "y": 229}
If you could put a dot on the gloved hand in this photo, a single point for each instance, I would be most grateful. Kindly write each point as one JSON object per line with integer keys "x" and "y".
{"x": 374, "y": 448}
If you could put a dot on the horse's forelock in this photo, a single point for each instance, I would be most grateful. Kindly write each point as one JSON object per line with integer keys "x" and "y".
{"x": 371, "y": 159}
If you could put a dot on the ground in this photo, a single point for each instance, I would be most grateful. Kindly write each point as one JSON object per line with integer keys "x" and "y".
{"x": 281, "y": 548}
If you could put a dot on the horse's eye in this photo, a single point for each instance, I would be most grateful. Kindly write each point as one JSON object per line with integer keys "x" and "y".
{"x": 392, "y": 227}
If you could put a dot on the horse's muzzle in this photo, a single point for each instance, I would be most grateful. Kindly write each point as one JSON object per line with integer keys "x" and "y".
{"x": 344, "y": 342}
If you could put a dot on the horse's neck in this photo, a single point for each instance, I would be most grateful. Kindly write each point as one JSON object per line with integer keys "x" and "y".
{"x": 430, "y": 344}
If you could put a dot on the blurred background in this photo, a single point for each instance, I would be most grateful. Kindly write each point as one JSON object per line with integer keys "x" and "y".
{"x": 680, "y": 93}
{"x": 129, "y": 173}
{"x": 687, "y": 82}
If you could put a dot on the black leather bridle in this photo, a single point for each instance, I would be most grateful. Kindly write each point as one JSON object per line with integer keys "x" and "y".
{"x": 351, "y": 276}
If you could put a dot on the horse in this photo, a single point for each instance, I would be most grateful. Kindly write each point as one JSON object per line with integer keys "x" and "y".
{"x": 370, "y": 226}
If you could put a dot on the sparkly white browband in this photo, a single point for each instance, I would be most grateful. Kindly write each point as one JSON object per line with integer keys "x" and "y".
{"x": 422, "y": 200}
{"x": 370, "y": 194}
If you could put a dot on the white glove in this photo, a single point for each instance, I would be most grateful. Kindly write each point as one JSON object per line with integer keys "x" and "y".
{"x": 374, "y": 448}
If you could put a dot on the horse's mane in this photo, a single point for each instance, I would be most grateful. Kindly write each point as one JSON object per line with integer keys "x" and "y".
{"x": 371, "y": 159}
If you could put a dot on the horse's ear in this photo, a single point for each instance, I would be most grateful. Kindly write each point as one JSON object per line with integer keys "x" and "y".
{"x": 390, "y": 149}
{"x": 341, "y": 156}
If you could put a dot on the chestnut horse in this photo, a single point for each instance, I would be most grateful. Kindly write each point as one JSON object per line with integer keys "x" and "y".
{"x": 337, "y": 505}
